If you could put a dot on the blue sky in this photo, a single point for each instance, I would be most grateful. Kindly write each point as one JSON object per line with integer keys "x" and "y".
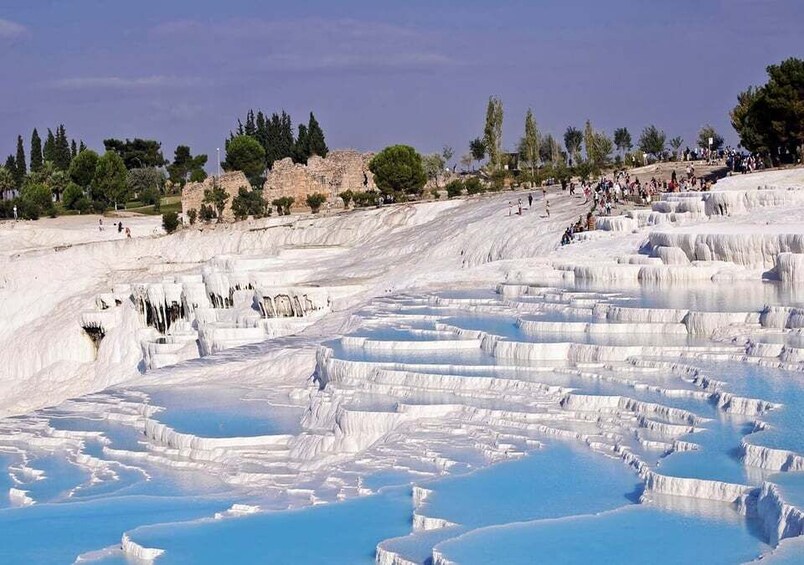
{"x": 376, "y": 73}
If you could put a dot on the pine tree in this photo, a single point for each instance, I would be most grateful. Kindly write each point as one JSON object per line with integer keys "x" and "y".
{"x": 36, "y": 151}
{"x": 81, "y": 146}
{"x": 49, "y": 152}
{"x": 20, "y": 169}
{"x": 315, "y": 135}
{"x": 73, "y": 150}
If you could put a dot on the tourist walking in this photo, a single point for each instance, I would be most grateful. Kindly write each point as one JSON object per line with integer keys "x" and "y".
{"x": 530, "y": 200}
{"x": 100, "y": 224}
{"x": 510, "y": 208}
{"x": 119, "y": 227}
{"x": 15, "y": 213}
{"x": 547, "y": 207}
{"x": 128, "y": 233}
{"x": 520, "y": 207}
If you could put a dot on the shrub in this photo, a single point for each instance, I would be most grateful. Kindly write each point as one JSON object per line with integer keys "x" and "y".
{"x": 192, "y": 214}
{"x": 473, "y": 186}
{"x": 497, "y": 181}
{"x": 436, "y": 193}
{"x": 454, "y": 188}
{"x": 170, "y": 221}
{"x": 37, "y": 200}
{"x": 248, "y": 203}
{"x": 283, "y": 205}
{"x": 347, "y": 196}
{"x": 365, "y": 198}
{"x": 83, "y": 205}
{"x": 315, "y": 200}
{"x": 207, "y": 213}
{"x": 72, "y": 194}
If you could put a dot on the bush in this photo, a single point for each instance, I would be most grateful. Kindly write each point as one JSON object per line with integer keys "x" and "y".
{"x": 473, "y": 186}
{"x": 83, "y": 205}
{"x": 207, "y": 213}
{"x": 454, "y": 188}
{"x": 99, "y": 206}
{"x": 170, "y": 221}
{"x": 436, "y": 193}
{"x": 365, "y": 198}
{"x": 283, "y": 205}
{"x": 192, "y": 214}
{"x": 497, "y": 181}
{"x": 37, "y": 200}
{"x": 315, "y": 200}
{"x": 248, "y": 203}
{"x": 347, "y": 196}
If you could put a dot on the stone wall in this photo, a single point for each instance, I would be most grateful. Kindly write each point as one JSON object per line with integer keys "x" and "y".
{"x": 339, "y": 171}
{"x": 192, "y": 195}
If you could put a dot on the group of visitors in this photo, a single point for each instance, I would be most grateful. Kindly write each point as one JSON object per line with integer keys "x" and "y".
{"x": 118, "y": 225}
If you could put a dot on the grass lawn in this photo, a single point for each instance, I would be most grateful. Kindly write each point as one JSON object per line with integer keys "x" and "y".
{"x": 168, "y": 204}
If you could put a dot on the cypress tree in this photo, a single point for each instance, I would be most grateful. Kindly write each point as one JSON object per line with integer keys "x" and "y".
{"x": 49, "y": 152}
{"x": 316, "y": 143}
{"x": 81, "y": 146}
{"x": 62, "y": 149}
{"x": 11, "y": 166}
{"x": 20, "y": 169}
{"x": 286, "y": 139}
{"x": 73, "y": 150}
{"x": 36, "y": 151}
{"x": 301, "y": 149}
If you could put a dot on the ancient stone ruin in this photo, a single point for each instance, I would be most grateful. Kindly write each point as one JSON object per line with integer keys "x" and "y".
{"x": 192, "y": 195}
{"x": 339, "y": 171}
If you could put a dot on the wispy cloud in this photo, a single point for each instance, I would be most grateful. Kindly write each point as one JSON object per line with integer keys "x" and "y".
{"x": 12, "y": 30}
{"x": 315, "y": 44}
{"x": 124, "y": 83}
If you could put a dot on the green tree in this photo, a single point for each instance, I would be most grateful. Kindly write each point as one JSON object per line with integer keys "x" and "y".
{"x": 398, "y": 168}
{"x": 184, "y": 165}
{"x": 217, "y": 197}
{"x": 703, "y": 138}
{"x": 248, "y": 203}
{"x": 652, "y": 141}
{"x": 622, "y": 140}
{"x": 36, "y": 151}
{"x": 447, "y": 152}
{"x": 82, "y": 169}
{"x": 573, "y": 137}
{"x": 146, "y": 184}
{"x": 770, "y": 118}
{"x": 433, "y": 166}
{"x": 529, "y": 145}
{"x": 137, "y": 153}
{"x": 73, "y": 150}
{"x": 72, "y": 194}
{"x": 36, "y": 200}
{"x": 675, "y": 145}
{"x": 49, "y": 150}
{"x": 109, "y": 182}
{"x": 62, "y": 156}
{"x": 492, "y": 133}
{"x": 7, "y": 182}
{"x": 57, "y": 183}
{"x": 318, "y": 145}
{"x": 301, "y": 148}
{"x": 477, "y": 148}
{"x": 244, "y": 153}
{"x": 20, "y": 169}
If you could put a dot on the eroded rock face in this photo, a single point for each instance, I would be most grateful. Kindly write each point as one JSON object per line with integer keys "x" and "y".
{"x": 339, "y": 171}
{"x": 192, "y": 195}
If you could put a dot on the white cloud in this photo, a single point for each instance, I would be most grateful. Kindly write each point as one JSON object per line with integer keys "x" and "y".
{"x": 12, "y": 30}
{"x": 123, "y": 83}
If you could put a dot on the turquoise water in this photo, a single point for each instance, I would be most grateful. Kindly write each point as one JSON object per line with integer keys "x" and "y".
{"x": 334, "y": 534}
{"x": 635, "y": 534}
{"x": 220, "y": 413}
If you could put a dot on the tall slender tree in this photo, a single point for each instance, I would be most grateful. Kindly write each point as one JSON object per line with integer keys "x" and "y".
{"x": 73, "y": 149}
{"x": 49, "y": 152}
{"x": 573, "y": 138}
{"x": 20, "y": 170}
{"x": 492, "y": 133}
{"x": 529, "y": 147}
{"x": 62, "y": 155}
{"x": 316, "y": 142}
{"x": 36, "y": 151}
{"x": 301, "y": 149}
